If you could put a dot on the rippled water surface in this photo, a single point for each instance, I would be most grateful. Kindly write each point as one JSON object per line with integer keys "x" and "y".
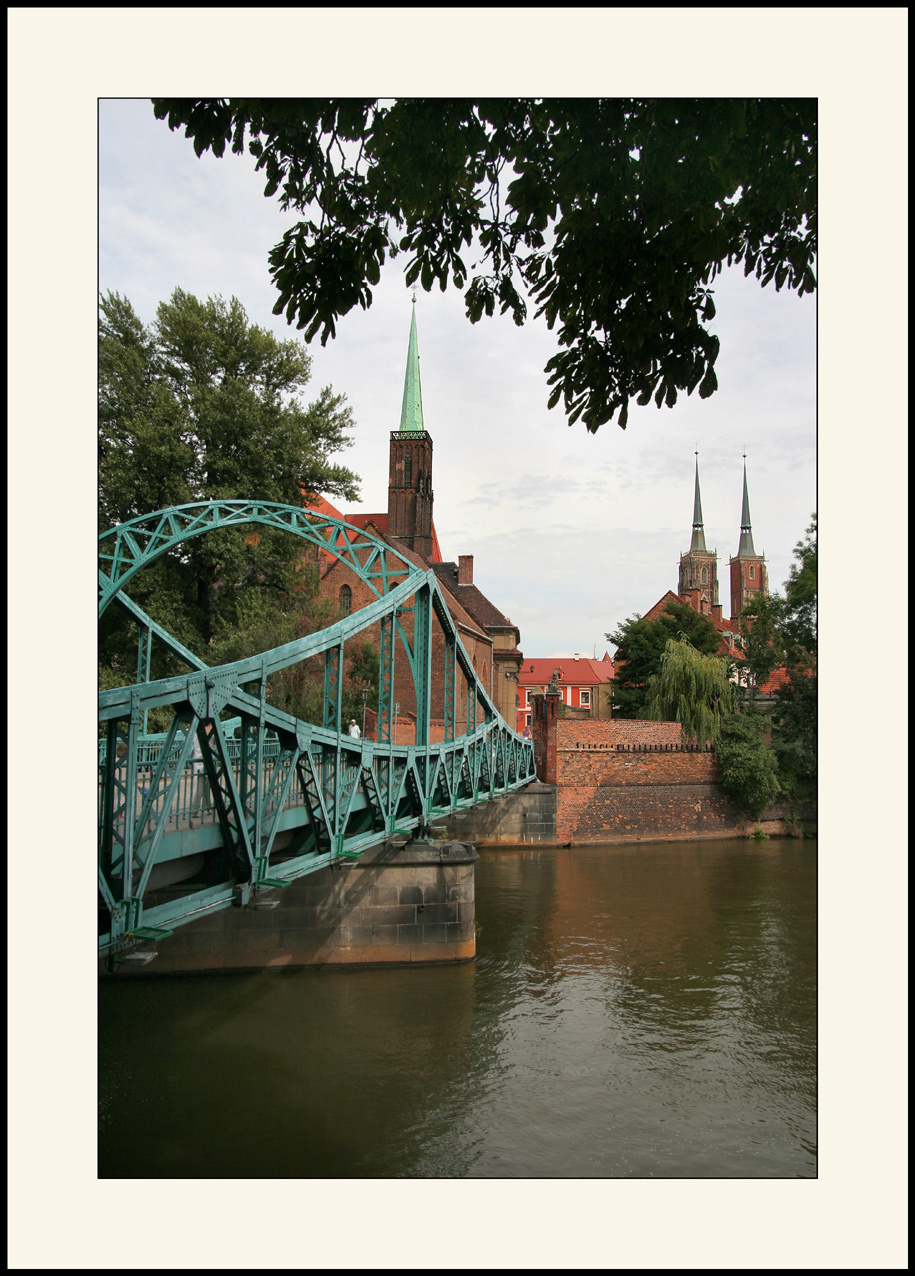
{"x": 643, "y": 1011}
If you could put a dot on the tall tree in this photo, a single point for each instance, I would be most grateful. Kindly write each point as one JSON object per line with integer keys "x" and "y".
{"x": 691, "y": 688}
{"x": 614, "y": 216}
{"x": 800, "y": 621}
{"x": 640, "y": 647}
{"x": 206, "y": 404}
{"x": 780, "y": 632}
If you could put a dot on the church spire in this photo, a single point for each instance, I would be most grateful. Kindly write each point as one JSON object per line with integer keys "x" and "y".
{"x": 410, "y": 481}
{"x": 699, "y": 567}
{"x": 698, "y": 540}
{"x": 745, "y": 548}
{"x": 411, "y": 413}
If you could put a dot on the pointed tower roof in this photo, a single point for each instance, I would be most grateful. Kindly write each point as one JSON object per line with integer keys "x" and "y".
{"x": 745, "y": 548}
{"x": 411, "y": 413}
{"x": 698, "y": 539}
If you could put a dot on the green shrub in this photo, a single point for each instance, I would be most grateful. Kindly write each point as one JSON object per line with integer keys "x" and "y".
{"x": 748, "y": 766}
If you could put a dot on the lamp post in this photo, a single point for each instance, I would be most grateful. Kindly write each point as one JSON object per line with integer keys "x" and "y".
{"x": 396, "y": 715}
{"x": 365, "y": 697}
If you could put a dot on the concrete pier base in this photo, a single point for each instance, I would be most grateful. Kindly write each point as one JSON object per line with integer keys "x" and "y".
{"x": 526, "y": 817}
{"x": 399, "y": 904}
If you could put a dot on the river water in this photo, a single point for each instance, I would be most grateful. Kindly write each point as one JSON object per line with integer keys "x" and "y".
{"x": 633, "y": 1012}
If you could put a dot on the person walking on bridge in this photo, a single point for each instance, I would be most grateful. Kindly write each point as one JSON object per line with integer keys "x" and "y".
{"x": 353, "y": 729}
{"x": 197, "y": 779}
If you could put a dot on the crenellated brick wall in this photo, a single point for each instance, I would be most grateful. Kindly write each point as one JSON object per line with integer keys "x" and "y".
{"x": 617, "y": 731}
{"x": 634, "y": 781}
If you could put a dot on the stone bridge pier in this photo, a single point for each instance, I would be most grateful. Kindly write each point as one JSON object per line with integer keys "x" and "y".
{"x": 402, "y": 903}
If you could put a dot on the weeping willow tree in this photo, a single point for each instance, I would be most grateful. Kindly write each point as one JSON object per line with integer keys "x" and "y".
{"x": 692, "y": 689}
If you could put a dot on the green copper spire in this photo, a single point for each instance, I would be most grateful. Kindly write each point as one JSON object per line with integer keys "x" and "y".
{"x": 411, "y": 414}
{"x": 746, "y": 532}
{"x": 698, "y": 540}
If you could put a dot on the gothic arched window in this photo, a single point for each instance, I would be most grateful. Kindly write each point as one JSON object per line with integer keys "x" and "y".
{"x": 407, "y": 469}
{"x": 345, "y": 600}
{"x": 705, "y": 575}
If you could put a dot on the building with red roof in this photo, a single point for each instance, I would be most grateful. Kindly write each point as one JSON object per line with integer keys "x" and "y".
{"x": 584, "y": 685}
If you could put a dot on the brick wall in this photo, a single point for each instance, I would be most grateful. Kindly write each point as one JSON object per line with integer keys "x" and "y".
{"x": 479, "y": 649}
{"x": 585, "y": 731}
{"x": 544, "y": 729}
{"x": 632, "y": 781}
{"x": 590, "y": 767}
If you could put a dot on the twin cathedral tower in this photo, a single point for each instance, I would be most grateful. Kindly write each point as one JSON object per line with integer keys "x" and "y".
{"x": 699, "y": 566}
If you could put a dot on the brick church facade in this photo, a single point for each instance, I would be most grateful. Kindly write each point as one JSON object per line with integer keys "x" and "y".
{"x": 491, "y": 640}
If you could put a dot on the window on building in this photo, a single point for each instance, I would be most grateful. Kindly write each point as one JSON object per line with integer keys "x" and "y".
{"x": 407, "y": 469}
{"x": 705, "y": 575}
{"x": 752, "y": 573}
{"x": 527, "y": 695}
{"x": 586, "y": 699}
{"x": 527, "y": 719}
{"x": 345, "y": 600}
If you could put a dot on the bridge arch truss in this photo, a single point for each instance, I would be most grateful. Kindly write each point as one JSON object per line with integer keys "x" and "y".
{"x": 281, "y": 797}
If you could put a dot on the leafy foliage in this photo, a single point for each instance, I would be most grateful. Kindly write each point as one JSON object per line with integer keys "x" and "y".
{"x": 614, "y": 216}
{"x": 205, "y": 404}
{"x": 780, "y": 632}
{"x": 361, "y": 675}
{"x": 748, "y": 767}
{"x": 692, "y": 689}
{"x": 800, "y": 621}
{"x": 640, "y": 648}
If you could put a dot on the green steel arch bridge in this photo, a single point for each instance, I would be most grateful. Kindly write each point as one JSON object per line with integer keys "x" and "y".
{"x": 265, "y": 797}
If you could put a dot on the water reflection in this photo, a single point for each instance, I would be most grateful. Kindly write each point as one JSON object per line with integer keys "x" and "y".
{"x": 633, "y": 1011}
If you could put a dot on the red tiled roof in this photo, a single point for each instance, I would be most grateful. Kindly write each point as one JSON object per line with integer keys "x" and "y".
{"x": 575, "y": 673}
{"x": 360, "y": 520}
{"x": 321, "y": 505}
{"x": 381, "y": 522}
{"x": 661, "y": 605}
{"x": 474, "y": 601}
{"x": 777, "y": 679}
{"x": 728, "y": 629}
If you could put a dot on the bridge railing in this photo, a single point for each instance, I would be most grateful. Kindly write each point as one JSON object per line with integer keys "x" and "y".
{"x": 149, "y": 749}
{"x": 193, "y": 800}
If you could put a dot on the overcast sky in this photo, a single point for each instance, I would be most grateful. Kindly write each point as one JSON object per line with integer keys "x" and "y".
{"x": 570, "y": 532}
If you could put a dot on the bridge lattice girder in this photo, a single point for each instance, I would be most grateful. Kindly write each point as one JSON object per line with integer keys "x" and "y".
{"x": 288, "y": 797}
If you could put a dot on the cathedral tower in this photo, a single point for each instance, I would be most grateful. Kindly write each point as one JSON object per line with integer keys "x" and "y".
{"x": 699, "y": 567}
{"x": 749, "y": 578}
{"x": 410, "y": 478}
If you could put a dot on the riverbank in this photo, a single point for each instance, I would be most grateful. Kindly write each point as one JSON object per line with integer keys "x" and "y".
{"x": 624, "y": 803}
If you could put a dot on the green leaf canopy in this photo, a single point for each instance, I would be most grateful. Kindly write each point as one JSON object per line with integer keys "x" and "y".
{"x": 612, "y": 216}
{"x": 202, "y": 404}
